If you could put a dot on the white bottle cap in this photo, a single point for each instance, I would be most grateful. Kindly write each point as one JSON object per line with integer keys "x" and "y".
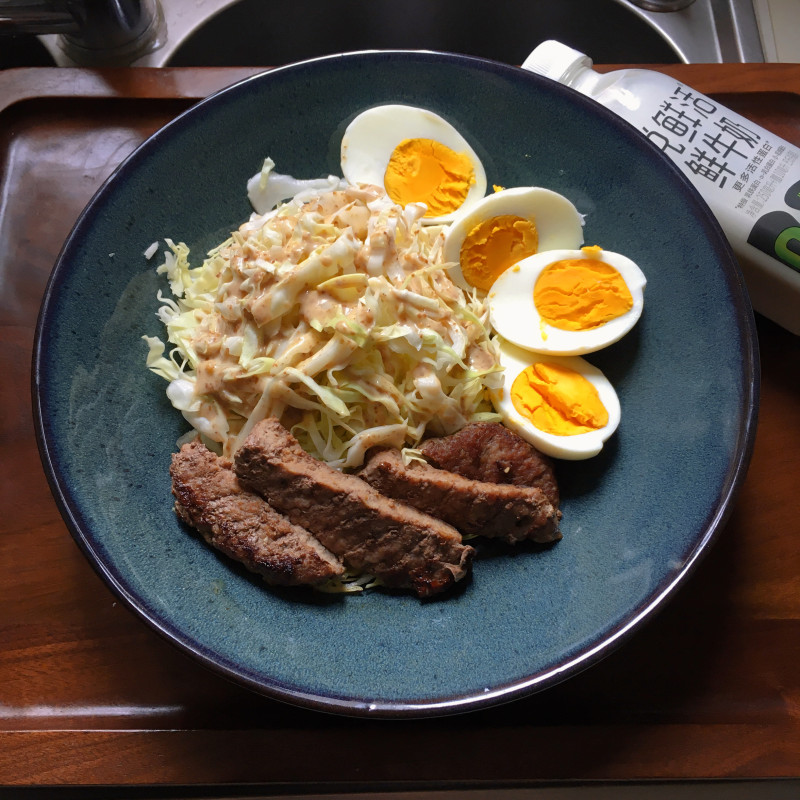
{"x": 556, "y": 60}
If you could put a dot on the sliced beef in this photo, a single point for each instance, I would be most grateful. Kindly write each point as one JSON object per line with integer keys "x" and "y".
{"x": 495, "y": 510}
{"x": 488, "y": 451}
{"x": 371, "y": 533}
{"x": 242, "y": 525}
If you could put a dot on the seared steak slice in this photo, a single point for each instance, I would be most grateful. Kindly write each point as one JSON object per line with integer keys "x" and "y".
{"x": 242, "y": 525}
{"x": 495, "y": 510}
{"x": 488, "y": 451}
{"x": 371, "y": 533}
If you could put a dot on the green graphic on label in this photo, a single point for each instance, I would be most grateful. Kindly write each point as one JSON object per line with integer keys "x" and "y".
{"x": 778, "y": 234}
{"x": 787, "y": 247}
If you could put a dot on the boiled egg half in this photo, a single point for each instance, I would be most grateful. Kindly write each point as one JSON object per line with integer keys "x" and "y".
{"x": 505, "y": 227}
{"x": 417, "y": 156}
{"x": 562, "y": 405}
{"x": 567, "y": 302}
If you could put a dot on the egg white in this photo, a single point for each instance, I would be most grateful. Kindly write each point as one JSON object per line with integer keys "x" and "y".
{"x": 515, "y": 317}
{"x": 573, "y": 448}
{"x": 370, "y": 139}
{"x": 559, "y": 224}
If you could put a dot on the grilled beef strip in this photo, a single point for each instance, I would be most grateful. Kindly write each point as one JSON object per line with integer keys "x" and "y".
{"x": 488, "y": 451}
{"x": 370, "y": 532}
{"x": 242, "y": 525}
{"x": 495, "y": 510}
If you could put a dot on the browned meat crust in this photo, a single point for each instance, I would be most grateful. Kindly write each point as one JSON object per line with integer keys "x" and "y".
{"x": 371, "y": 533}
{"x": 495, "y": 510}
{"x": 488, "y": 451}
{"x": 242, "y": 525}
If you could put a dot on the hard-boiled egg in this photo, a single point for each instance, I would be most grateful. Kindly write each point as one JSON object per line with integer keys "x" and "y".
{"x": 417, "y": 156}
{"x": 505, "y": 227}
{"x": 562, "y": 405}
{"x": 567, "y": 302}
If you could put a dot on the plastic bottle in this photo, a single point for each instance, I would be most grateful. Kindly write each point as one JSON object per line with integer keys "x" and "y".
{"x": 749, "y": 177}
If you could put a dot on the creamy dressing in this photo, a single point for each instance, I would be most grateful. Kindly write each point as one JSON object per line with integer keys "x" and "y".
{"x": 336, "y": 313}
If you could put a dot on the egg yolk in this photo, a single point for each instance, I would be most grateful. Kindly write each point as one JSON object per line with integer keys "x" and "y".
{"x": 578, "y": 294}
{"x": 558, "y": 400}
{"x": 494, "y": 245}
{"x": 426, "y": 171}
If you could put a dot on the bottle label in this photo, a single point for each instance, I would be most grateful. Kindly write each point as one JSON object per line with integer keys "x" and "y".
{"x": 734, "y": 163}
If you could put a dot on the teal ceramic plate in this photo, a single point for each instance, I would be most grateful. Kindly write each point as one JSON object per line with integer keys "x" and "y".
{"x": 637, "y": 518}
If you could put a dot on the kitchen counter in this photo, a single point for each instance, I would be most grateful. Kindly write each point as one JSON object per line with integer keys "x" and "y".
{"x": 89, "y": 694}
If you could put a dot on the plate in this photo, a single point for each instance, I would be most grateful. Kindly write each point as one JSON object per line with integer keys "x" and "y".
{"x": 637, "y": 518}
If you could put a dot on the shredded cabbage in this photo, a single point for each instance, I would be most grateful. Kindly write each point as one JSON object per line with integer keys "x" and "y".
{"x": 332, "y": 312}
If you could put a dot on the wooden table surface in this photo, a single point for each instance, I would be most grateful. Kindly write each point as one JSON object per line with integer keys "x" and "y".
{"x": 90, "y": 695}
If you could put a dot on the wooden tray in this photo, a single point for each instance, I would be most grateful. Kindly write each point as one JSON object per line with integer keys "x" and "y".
{"x": 90, "y": 695}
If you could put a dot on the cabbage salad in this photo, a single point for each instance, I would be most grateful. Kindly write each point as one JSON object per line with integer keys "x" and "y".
{"x": 333, "y": 312}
